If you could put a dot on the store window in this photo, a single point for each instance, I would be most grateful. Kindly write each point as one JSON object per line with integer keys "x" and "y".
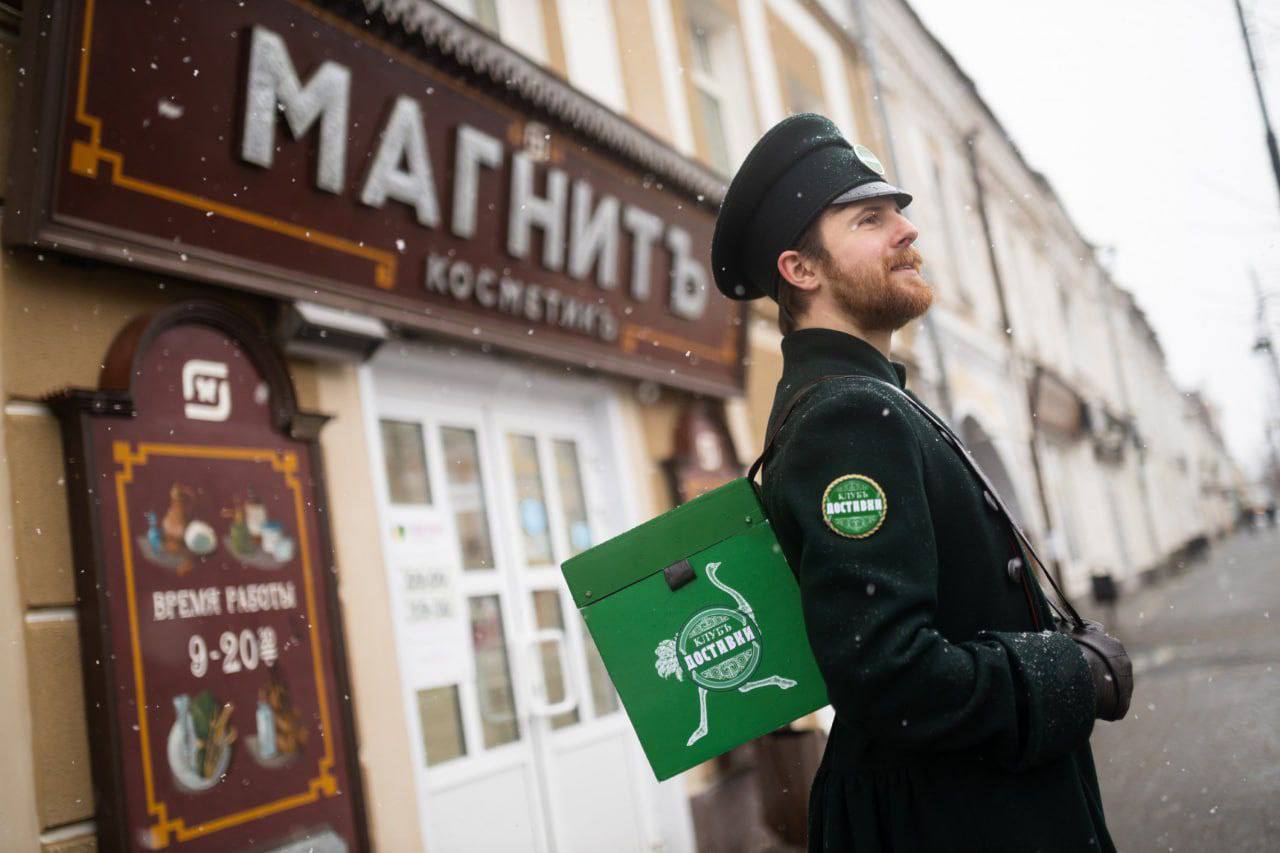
{"x": 531, "y": 501}
{"x": 550, "y": 614}
{"x": 577, "y": 531}
{"x": 567, "y": 509}
{"x": 466, "y": 496}
{"x": 405, "y": 459}
{"x": 603, "y": 697}
{"x": 493, "y": 672}
{"x": 440, "y": 713}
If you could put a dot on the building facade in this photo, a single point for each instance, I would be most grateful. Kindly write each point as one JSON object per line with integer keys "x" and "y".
{"x": 475, "y": 235}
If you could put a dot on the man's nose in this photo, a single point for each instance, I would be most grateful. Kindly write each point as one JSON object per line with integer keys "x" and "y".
{"x": 906, "y": 233}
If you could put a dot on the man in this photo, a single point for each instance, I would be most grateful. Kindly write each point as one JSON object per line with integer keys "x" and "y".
{"x": 962, "y": 720}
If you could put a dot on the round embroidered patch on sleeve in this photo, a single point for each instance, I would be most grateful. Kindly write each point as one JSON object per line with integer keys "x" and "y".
{"x": 854, "y": 506}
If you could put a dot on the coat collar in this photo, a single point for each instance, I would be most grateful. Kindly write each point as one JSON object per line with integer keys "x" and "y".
{"x": 810, "y": 353}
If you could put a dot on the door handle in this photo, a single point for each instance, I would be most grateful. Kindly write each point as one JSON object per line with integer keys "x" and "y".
{"x": 538, "y": 702}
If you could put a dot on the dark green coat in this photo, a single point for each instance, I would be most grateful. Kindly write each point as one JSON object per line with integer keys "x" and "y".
{"x": 958, "y": 725}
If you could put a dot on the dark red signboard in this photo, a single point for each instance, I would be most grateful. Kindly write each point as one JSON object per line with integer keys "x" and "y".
{"x": 213, "y": 654}
{"x": 296, "y": 149}
{"x": 704, "y": 457}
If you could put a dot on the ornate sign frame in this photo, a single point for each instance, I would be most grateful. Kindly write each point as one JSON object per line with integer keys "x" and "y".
{"x": 150, "y": 149}
{"x": 110, "y": 442}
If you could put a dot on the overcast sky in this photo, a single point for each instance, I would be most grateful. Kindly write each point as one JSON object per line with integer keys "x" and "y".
{"x": 1142, "y": 115}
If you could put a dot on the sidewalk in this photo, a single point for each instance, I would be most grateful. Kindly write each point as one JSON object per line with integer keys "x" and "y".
{"x": 1196, "y": 764}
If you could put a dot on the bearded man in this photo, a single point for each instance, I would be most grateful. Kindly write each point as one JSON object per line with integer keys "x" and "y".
{"x": 962, "y": 720}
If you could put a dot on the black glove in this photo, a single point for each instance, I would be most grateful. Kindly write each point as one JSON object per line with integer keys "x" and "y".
{"x": 1112, "y": 671}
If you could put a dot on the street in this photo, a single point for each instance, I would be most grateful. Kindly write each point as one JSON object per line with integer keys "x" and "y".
{"x": 1196, "y": 764}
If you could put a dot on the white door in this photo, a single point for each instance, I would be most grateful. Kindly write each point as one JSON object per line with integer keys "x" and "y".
{"x": 489, "y": 476}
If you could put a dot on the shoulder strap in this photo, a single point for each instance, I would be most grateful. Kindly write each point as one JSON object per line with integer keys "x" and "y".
{"x": 782, "y": 419}
{"x": 951, "y": 438}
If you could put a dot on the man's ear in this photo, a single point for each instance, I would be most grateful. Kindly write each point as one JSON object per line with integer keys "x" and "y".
{"x": 798, "y": 270}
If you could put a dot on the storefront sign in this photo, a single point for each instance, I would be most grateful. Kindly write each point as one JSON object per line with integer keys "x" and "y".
{"x": 1058, "y": 409}
{"x": 212, "y": 646}
{"x": 282, "y": 147}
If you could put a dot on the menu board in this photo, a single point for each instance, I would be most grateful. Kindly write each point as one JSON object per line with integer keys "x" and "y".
{"x": 211, "y": 637}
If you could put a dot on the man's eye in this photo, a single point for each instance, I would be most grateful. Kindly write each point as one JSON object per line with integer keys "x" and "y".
{"x": 870, "y": 217}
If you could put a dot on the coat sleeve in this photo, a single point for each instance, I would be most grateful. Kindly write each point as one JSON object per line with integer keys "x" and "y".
{"x": 869, "y": 604}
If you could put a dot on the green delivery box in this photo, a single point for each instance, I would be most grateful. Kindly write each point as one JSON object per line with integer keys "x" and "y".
{"x": 697, "y": 617}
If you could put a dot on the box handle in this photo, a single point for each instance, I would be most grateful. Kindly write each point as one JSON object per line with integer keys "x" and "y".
{"x": 538, "y": 703}
{"x": 678, "y": 574}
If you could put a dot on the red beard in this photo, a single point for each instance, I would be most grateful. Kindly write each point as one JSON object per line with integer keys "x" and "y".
{"x": 875, "y": 299}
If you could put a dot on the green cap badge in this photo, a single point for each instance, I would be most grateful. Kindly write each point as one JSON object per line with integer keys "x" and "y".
{"x": 870, "y": 160}
{"x": 854, "y": 506}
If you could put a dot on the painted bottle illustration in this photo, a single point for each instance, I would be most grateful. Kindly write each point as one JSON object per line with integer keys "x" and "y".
{"x": 281, "y": 733}
{"x": 254, "y": 538}
{"x": 239, "y": 537}
{"x": 266, "y": 720}
{"x": 154, "y": 538}
{"x": 200, "y": 741}
{"x": 255, "y": 514}
{"x": 187, "y": 727}
{"x": 177, "y": 538}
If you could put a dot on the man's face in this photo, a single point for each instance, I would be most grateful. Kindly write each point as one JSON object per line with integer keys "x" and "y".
{"x": 874, "y": 271}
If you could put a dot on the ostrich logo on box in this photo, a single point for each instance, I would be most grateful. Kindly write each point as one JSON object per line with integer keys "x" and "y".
{"x": 719, "y": 648}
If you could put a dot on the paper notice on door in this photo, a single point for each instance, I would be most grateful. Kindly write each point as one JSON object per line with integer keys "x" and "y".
{"x": 429, "y": 604}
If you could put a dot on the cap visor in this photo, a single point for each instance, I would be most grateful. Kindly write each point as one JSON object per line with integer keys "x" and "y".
{"x": 875, "y": 189}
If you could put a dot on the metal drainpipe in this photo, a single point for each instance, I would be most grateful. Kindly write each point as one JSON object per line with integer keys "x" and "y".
{"x": 1033, "y": 384}
{"x": 867, "y": 43}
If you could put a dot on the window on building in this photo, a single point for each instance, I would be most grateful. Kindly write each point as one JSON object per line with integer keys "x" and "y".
{"x": 949, "y": 234}
{"x": 709, "y": 99}
{"x": 518, "y": 23}
{"x": 720, "y": 97}
{"x": 801, "y": 98}
{"x": 486, "y": 14}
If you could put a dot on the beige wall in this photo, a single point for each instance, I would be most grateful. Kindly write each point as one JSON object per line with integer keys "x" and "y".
{"x": 19, "y": 825}
{"x": 555, "y": 41}
{"x": 796, "y": 61}
{"x": 860, "y": 89}
{"x": 57, "y": 320}
{"x": 641, "y": 76}
{"x": 680, "y": 14}
{"x": 381, "y": 727}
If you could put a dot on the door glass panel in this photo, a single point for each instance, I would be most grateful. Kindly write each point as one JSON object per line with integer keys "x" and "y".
{"x": 531, "y": 502}
{"x": 546, "y": 606}
{"x": 441, "y": 716}
{"x": 493, "y": 674}
{"x": 603, "y": 697}
{"x": 574, "y": 503}
{"x": 466, "y": 495}
{"x": 405, "y": 459}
